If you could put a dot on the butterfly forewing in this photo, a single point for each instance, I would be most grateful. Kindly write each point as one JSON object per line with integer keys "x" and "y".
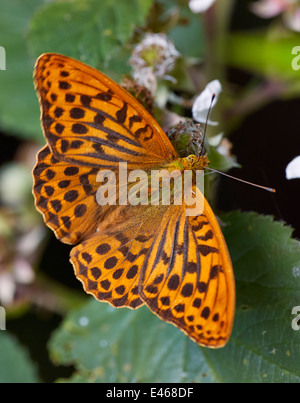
{"x": 65, "y": 195}
{"x": 90, "y": 120}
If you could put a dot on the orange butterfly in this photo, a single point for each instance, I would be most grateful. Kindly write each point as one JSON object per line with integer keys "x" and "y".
{"x": 178, "y": 265}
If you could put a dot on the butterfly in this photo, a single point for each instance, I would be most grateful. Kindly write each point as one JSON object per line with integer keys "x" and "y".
{"x": 127, "y": 255}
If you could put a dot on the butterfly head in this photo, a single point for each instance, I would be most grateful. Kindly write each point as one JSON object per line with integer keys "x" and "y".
{"x": 195, "y": 162}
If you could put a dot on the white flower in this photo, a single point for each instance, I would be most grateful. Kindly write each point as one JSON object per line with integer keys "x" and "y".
{"x": 199, "y": 6}
{"x": 292, "y": 19}
{"x": 146, "y": 78}
{"x": 269, "y": 8}
{"x": 153, "y": 57}
{"x": 7, "y": 288}
{"x": 204, "y": 101}
{"x": 289, "y": 9}
{"x": 19, "y": 272}
{"x": 216, "y": 140}
{"x": 292, "y": 170}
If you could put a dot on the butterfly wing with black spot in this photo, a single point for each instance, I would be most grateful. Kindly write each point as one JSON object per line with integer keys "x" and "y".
{"x": 65, "y": 195}
{"x": 109, "y": 262}
{"x": 90, "y": 124}
{"x": 187, "y": 277}
{"x": 90, "y": 120}
{"x": 177, "y": 265}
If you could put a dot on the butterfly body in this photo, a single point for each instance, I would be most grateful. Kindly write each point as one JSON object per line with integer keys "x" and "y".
{"x": 191, "y": 162}
{"x": 137, "y": 249}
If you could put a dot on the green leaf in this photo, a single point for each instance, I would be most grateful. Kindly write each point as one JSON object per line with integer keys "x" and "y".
{"x": 264, "y": 347}
{"x": 89, "y": 30}
{"x": 19, "y": 110}
{"x": 15, "y": 363}
{"x": 120, "y": 345}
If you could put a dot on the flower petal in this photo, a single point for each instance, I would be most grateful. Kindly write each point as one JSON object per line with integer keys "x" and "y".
{"x": 292, "y": 19}
{"x": 204, "y": 101}
{"x": 7, "y": 288}
{"x": 199, "y": 6}
{"x": 23, "y": 272}
{"x": 292, "y": 170}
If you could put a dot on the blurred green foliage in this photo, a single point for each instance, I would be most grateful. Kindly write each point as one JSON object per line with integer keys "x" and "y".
{"x": 16, "y": 365}
{"x": 95, "y": 32}
{"x": 19, "y": 110}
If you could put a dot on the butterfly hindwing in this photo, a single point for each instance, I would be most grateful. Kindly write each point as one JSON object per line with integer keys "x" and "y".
{"x": 174, "y": 265}
{"x": 187, "y": 281}
{"x": 109, "y": 262}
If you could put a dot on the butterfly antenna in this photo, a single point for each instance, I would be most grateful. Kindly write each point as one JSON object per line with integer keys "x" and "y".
{"x": 242, "y": 180}
{"x": 206, "y": 122}
{"x": 222, "y": 173}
